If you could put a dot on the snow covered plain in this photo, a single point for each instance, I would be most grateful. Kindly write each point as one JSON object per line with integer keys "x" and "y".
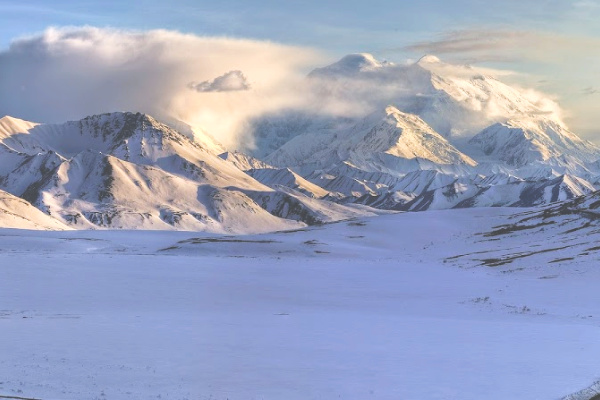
{"x": 405, "y": 306}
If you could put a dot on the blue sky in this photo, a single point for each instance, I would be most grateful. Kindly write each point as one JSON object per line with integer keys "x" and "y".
{"x": 337, "y": 26}
{"x": 552, "y": 44}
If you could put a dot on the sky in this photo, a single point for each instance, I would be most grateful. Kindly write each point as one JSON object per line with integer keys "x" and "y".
{"x": 548, "y": 45}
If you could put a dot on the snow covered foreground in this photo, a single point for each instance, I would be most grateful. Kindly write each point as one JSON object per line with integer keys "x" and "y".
{"x": 404, "y": 306}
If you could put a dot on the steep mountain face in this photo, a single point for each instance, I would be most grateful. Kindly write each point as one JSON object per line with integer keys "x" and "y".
{"x": 125, "y": 170}
{"x": 465, "y": 100}
{"x": 407, "y": 136}
{"x": 376, "y": 142}
{"x": 456, "y": 102}
{"x": 25, "y": 180}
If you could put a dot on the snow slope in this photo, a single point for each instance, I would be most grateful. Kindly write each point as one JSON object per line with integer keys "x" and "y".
{"x": 93, "y": 190}
{"x": 407, "y": 306}
{"x": 244, "y": 161}
{"x": 273, "y": 177}
{"x": 18, "y": 213}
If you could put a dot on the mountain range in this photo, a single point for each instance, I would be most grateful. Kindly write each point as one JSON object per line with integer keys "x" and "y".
{"x": 429, "y": 135}
{"x": 438, "y": 136}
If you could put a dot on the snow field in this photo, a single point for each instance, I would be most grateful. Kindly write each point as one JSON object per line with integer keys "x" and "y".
{"x": 354, "y": 310}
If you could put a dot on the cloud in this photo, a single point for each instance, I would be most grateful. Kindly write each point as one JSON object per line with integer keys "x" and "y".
{"x": 588, "y": 91}
{"x": 457, "y": 101}
{"x": 229, "y": 82}
{"x": 554, "y": 62}
{"x": 68, "y": 73}
{"x": 586, "y": 4}
{"x": 504, "y": 45}
{"x": 468, "y": 41}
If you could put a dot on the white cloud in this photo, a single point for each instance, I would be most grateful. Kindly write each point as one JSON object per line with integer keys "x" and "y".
{"x": 231, "y": 81}
{"x": 68, "y": 73}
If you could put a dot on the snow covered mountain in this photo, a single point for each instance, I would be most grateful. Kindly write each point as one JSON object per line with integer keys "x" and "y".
{"x": 423, "y": 127}
{"x": 513, "y": 193}
{"x": 126, "y": 170}
{"x": 407, "y": 136}
{"x": 530, "y": 144}
{"x": 390, "y": 140}
{"x": 137, "y": 138}
{"x": 455, "y": 100}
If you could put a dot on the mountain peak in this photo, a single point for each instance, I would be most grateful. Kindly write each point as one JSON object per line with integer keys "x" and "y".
{"x": 9, "y": 119}
{"x": 11, "y": 125}
{"x": 349, "y": 65}
{"x": 429, "y": 59}
{"x": 360, "y": 60}
{"x": 407, "y": 136}
{"x": 391, "y": 110}
{"x": 131, "y": 117}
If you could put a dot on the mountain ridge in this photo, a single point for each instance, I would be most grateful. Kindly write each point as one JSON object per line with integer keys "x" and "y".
{"x": 128, "y": 170}
{"x": 430, "y": 135}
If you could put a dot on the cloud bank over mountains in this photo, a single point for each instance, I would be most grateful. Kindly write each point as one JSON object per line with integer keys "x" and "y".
{"x": 217, "y": 84}
{"x": 68, "y": 73}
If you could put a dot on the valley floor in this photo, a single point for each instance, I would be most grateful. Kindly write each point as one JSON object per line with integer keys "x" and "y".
{"x": 403, "y": 306}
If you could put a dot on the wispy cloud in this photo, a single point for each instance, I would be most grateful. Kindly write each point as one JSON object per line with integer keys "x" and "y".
{"x": 481, "y": 45}
{"x": 468, "y": 41}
